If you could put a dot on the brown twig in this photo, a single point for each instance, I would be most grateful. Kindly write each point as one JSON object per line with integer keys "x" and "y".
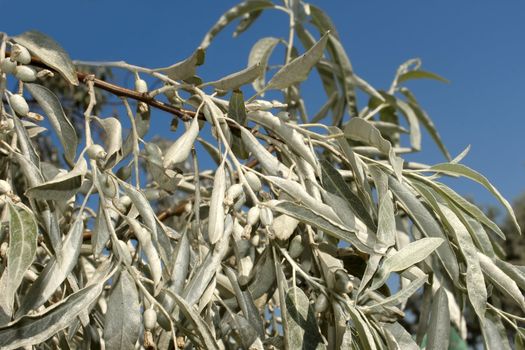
{"x": 120, "y": 91}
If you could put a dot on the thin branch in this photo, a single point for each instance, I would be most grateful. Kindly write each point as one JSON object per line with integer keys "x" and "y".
{"x": 120, "y": 91}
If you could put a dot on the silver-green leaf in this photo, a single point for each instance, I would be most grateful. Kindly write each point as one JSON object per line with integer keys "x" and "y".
{"x": 122, "y": 323}
{"x": 55, "y": 272}
{"x": 237, "y": 79}
{"x": 50, "y": 103}
{"x": 426, "y": 223}
{"x": 406, "y": 257}
{"x": 235, "y": 12}
{"x": 301, "y": 329}
{"x": 299, "y": 68}
{"x": 439, "y": 326}
{"x": 260, "y": 53}
{"x": 33, "y": 330}
{"x": 462, "y": 170}
{"x": 184, "y": 69}
{"x": 50, "y": 52}
{"x": 23, "y": 232}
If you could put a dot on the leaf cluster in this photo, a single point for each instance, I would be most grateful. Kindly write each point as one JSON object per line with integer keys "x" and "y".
{"x": 305, "y": 234}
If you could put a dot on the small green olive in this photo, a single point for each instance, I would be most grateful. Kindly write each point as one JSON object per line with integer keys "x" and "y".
{"x": 25, "y": 73}
{"x": 96, "y": 152}
{"x": 20, "y": 54}
{"x": 150, "y": 319}
{"x": 19, "y": 104}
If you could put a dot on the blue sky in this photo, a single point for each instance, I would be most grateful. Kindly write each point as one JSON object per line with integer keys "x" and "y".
{"x": 478, "y": 46}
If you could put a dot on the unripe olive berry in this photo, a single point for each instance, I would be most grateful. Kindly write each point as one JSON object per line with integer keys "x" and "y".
{"x": 20, "y": 54}
{"x": 296, "y": 246}
{"x": 342, "y": 282}
{"x": 254, "y": 181}
{"x": 3, "y": 249}
{"x": 141, "y": 86}
{"x": 7, "y": 124}
{"x": 5, "y": 187}
{"x": 266, "y": 216}
{"x": 321, "y": 303}
{"x": 19, "y": 104}
{"x": 96, "y": 152}
{"x": 253, "y": 216}
{"x": 25, "y": 73}
{"x": 7, "y": 66}
{"x": 125, "y": 201}
{"x": 150, "y": 319}
{"x": 232, "y": 193}
{"x": 255, "y": 240}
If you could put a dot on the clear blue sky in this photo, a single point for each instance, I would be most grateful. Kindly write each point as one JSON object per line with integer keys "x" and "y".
{"x": 477, "y": 45}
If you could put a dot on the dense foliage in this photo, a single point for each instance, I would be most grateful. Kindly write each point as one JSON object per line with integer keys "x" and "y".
{"x": 310, "y": 232}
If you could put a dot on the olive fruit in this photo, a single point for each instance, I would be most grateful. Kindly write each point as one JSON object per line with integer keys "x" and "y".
{"x": 19, "y": 104}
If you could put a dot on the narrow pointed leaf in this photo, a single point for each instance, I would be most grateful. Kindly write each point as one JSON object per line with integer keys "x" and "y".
{"x": 144, "y": 208}
{"x": 358, "y": 129}
{"x": 246, "y": 22}
{"x": 101, "y": 232}
{"x": 346, "y": 73}
{"x": 232, "y": 14}
{"x": 386, "y": 223}
{"x": 403, "y": 338}
{"x": 309, "y": 217}
{"x": 33, "y": 330}
{"x": 113, "y": 134}
{"x": 55, "y": 272}
{"x": 180, "y": 150}
{"x": 334, "y": 183}
{"x": 260, "y": 53}
{"x": 298, "y": 69}
{"x": 25, "y": 144}
{"x": 477, "y": 292}
{"x": 237, "y": 111}
{"x": 406, "y": 257}
{"x": 413, "y": 123}
{"x": 21, "y": 252}
{"x": 268, "y": 161}
{"x": 60, "y": 188}
{"x": 401, "y": 296}
{"x": 494, "y": 334}
{"x": 420, "y": 74}
{"x": 142, "y": 123}
{"x": 439, "y": 326}
{"x": 216, "y": 216}
{"x": 468, "y": 207}
{"x": 237, "y": 79}
{"x": 290, "y": 136}
{"x": 364, "y": 333}
{"x": 506, "y": 285}
{"x": 49, "y": 52}
{"x": 427, "y": 224}
{"x": 513, "y": 271}
{"x": 301, "y": 329}
{"x": 184, "y": 69}
{"x": 322, "y": 21}
{"x": 426, "y": 121}
{"x": 51, "y": 106}
{"x": 201, "y": 327}
{"x": 236, "y": 107}
{"x": 122, "y": 323}
{"x": 462, "y": 170}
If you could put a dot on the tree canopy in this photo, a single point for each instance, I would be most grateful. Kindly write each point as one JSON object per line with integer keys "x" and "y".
{"x": 311, "y": 230}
